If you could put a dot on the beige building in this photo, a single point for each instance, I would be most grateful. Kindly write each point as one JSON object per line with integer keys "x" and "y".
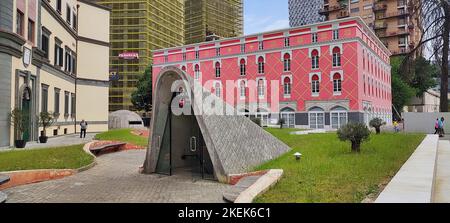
{"x": 392, "y": 20}
{"x": 54, "y": 56}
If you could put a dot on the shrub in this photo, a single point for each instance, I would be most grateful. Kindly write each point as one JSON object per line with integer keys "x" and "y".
{"x": 377, "y": 123}
{"x": 281, "y": 122}
{"x": 46, "y": 119}
{"x": 356, "y": 133}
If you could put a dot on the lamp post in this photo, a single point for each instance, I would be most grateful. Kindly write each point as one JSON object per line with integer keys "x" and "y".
{"x": 298, "y": 156}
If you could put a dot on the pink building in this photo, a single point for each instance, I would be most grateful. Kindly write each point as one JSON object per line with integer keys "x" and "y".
{"x": 328, "y": 73}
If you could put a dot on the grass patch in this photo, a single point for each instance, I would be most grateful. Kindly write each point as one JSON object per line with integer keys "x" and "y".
{"x": 123, "y": 135}
{"x": 330, "y": 173}
{"x": 70, "y": 157}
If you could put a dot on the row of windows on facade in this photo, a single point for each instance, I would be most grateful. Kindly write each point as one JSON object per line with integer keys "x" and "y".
{"x": 71, "y": 18}
{"x": 68, "y": 63}
{"x": 314, "y": 39}
{"x": 287, "y": 87}
{"x": 69, "y": 100}
{"x": 371, "y": 65}
{"x": 261, "y": 64}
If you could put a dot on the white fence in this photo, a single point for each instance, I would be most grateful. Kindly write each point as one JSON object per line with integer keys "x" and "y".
{"x": 424, "y": 122}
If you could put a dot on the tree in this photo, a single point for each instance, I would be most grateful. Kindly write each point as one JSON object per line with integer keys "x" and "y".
{"x": 401, "y": 91}
{"x": 142, "y": 97}
{"x": 19, "y": 119}
{"x": 281, "y": 122}
{"x": 356, "y": 133}
{"x": 377, "y": 123}
{"x": 46, "y": 119}
{"x": 434, "y": 17}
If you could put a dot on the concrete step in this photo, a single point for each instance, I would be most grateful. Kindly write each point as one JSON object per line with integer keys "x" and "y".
{"x": 4, "y": 179}
{"x": 3, "y": 197}
{"x": 442, "y": 178}
{"x": 233, "y": 193}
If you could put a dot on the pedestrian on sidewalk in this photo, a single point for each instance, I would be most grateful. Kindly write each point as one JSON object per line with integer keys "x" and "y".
{"x": 83, "y": 125}
{"x": 436, "y": 126}
{"x": 442, "y": 126}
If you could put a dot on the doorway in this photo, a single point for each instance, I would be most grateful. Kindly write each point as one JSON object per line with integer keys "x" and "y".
{"x": 183, "y": 150}
{"x": 26, "y": 109}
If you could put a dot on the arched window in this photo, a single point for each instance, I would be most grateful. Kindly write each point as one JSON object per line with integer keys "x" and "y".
{"x": 183, "y": 68}
{"x": 287, "y": 62}
{"x": 338, "y": 116}
{"x": 197, "y": 72}
{"x": 337, "y": 83}
{"x": 336, "y": 57}
{"x": 261, "y": 89}
{"x": 315, "y": 59}
{"x": 287, "y": 86}
{"x": 243, "y": 67}
{"x": 242, "y": 89}
{"x": 217, "y": 69}
{"x": 218, "y": 89}
{"x": 261, "y": 65}
{"x": 315, "y": 84}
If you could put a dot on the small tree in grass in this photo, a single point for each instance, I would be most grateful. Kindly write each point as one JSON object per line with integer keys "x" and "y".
{"x": 356, "y": 133}
{"x": 377, "y": 123}
{"x": 281, "y": 122}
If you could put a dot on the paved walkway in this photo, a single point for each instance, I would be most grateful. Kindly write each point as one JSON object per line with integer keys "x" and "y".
{"x": 67, "y": 140}
{"x": 442, "y": 182}
{"x": 116, "y": 179}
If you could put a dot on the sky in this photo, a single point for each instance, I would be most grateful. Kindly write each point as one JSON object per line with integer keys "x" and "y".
{"x": 265, "y": 15}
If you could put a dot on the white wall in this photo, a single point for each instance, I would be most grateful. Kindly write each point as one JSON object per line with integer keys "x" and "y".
{"x": 424, "y": 122}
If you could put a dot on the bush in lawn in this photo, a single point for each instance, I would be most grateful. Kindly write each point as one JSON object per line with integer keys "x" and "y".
{"x": 356, "y": 133}
{"x": 377, "y": 123}
{"x": 256, "y": 121}
{"x": 281, "y": 122}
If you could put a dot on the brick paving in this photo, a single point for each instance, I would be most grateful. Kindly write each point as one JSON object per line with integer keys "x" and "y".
{"x": 116, "y": 180}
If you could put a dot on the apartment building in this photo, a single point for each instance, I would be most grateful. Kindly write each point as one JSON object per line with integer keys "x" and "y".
{"x": 53, "y": 58}
{"x": 322, "y": 75}
{"x": 392, "y": 20}
{"x": 136, "y": 28}
{"x": 207, "y": 20}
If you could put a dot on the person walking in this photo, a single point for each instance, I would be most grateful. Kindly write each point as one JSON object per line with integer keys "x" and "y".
{"x": 83, "y": 125}
{"x": 436, "y": 126}
{"x": 442, "y": 125}
{"x": 395, "y": 124}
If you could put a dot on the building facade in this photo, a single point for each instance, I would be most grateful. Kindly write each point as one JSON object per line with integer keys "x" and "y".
{"x": 392, "y": 20}
{"x": 212, "y": 19}
{"x": 54, "y": 58}
{"x": 322, "y": 75}
{"x": 303, "y": 12}
{"x": 137, "y": 27}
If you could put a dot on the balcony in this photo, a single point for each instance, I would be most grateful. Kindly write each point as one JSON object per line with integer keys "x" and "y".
{"x": 393, "y": 14}
{"x": 399, "y": 52}
{"x": 327, "y": 9}
{"x": 380, "y": 26}
{"x": 343, "y": 14}
{"x": 379, "y": 7}
{"x": 392, "y": 34}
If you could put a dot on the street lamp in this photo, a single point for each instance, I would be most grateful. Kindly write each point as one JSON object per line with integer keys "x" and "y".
{"x": 298, "y": 156}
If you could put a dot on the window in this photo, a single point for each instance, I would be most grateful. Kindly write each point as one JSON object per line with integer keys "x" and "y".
{"x": 73, "y": 104}
{"x": 243, "y": 48}
{"x": 261, "y": 89}
{"x": 286, "y": 42}
{"x": 261, "y": 65}
{"x": 243, "y": 67}
{"x": 184, "y": 56}
{"x": 289, "y": 117}
{"x": 218, "y": 52}
{"x": 261, "y": 45}
{"x": 19, "y": 23}
{"x": 217, "y": 69}
{"x": 243, "y": 89}
{"x": 66, "y": 104}
{"x": 218, "y": 90}
{"x": 183, "y": 68}
{"x": 31, "y": 30}
{"x": 68, "y": 65}
{"x": 354, "y": 10}
{"x": 287, "y": 62}
{"x": 166, "y": 58}
{"x": 336, "y": 57}
{"x": 314, "y": 38}
{"x": 197, "y": 55}
{"x": 197, "y": 72}
{"x": 316, "y": 118}
{"x": 68, "y": 14}
{"x": 44, "y": 98}
{"x": 45, "y": 43}
{"x": 338, "y": 117}
{"x": 58, "y": 54}
{"x": 56, "y": 109}
{"x": 315, "y": 59}
{"x": 315, "y": 85}
{"x": 335, "y": 34}
{"x": 74, "y": 21}
{"x": 287, "y": 86}
{"x": 58, "y": 6}
{"x": 337, "y": 83}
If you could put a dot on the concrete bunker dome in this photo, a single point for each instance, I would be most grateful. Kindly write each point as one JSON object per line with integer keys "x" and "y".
{"x": 124, "y": 119}
{"x": 225, "y": 144}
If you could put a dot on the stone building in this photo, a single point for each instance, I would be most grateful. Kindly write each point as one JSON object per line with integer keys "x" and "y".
{"x": 53, "y": 58}
{"x": 318, "y": 76}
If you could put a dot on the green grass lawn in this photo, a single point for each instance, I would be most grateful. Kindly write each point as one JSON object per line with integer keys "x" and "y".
{"x": 330, "y": 173}
{"x": 123, "y": 135}
{"x": 71, "y": 157}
